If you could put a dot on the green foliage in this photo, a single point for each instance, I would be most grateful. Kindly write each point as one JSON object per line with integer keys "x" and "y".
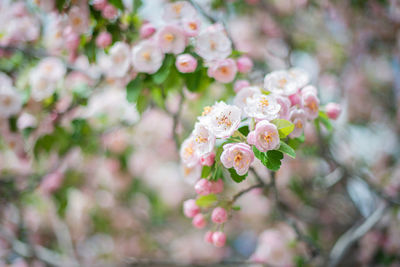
{"x": 117, "y": 3}
{"x": 285, "y": 148}
{"x": 71, "y": 180}
{"x": 206, "y": 201}
{"x": 296, "y": 142}
{"x": 271, "y": 159}
{"x": 206, "y": 171}
{"x": 236, "y": 177}
{"x": 136, "y": 5}
{"x": 161, "y": 75}
{"x": 133, "y": 89}
{"x": 324, "y": 119}
{"x": 244, "y": 130}
{"x": 285, "y": 127}
{"x": 60, "y": 4}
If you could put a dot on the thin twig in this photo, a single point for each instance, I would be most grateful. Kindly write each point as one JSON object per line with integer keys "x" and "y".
{"x": 244, "y": 191}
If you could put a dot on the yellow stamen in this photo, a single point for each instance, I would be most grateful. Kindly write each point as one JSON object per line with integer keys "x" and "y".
{"x": 206, "y": 110}
{"x": 193, "y": 26}
{"x": 7, "y": 101}
{"x": 169, "y": 37}
{"x": 146, "y": 56}
{"x": 299, "y": 125}
{"x": 177, "y": 8}
{"x": 264, "y": 102}
{"x": 189, "y": 151}
{"x": 282, "y": 82}
{"x": 200, "y": 139}
{"x": 313, "y": 106}
{"x": 224, "y": 70}
{"x": 268, "y": 138}
{"x": 224, "y": 120}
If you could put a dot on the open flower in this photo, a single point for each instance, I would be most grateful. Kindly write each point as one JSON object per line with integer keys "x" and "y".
{"x": 186, "y": 63}
{"x": 300, "y": 76}
{"x": 280, "y": 82}
{"x": 116, "y": 64}
{"x": 213, "y": 44}
{"x": 177, "y": 11}
{"x": 310, "y": 103}
{"x": 203, "y": 138}
{"x": 223, "y": 71}
{"x": 298, "y": 117}
{"x": 191, "y": 26}
{"x": 171, "y": 39}
{"x": 262, "y": 107}
{"x": 147, "y": 57}
{"x": 78, "y": 19}
{"x": 188, "y": 153}
{"x": 238, "y": 156}
{"x": 223, "y": 119}
{"x": 52, "y": 68}
{"x": 246, "y": 92}
{"x": 265, "y": 136}
{"x": 10, "y": 101}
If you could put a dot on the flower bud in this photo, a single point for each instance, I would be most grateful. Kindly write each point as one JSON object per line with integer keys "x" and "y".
{"x": 333, "y": 110}
{"x": 103, "y": 40}
{"x": 219, "y": 239}
{"x": 208, "y": 237}
{"x": 109, "y": 12}
{"x": 186, "y": 63}
{"x": 190, "y": 208}
{"x": 199, "y": 221}
{"x": 207, "y": 160}
{"x": 244, "y": 64}
{"x": 203, "y": 187}
{"x": 219, "y": 215}
{"x": 99, "y": 4}
{"x": 240, "y": 84}
{"x": 147, "y": 30}
{"x": 217, "y": 187}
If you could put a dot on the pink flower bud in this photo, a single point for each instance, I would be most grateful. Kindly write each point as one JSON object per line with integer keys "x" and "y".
{"x": 186, "y": 63}
{"x": 190, "y": 208}
{"x": 219, "y": 215}
{"x": 199, "y": 221}
{"x": 99, "y": 4}
{"x": 240, "y": 84}
{"x": 72, "y": 41}
{"x": 219, "y": 239}
{"x": 109, "y": 12}
{"x": 103, "y": 40}
{"x": 217, "y": 187}
{"x": 333, "y": 110}
{"x": 147, "y": 30}
{"x": 208, "y": 237}
{"x": 244, "y": 64}
{"x": 203, "y": 187}
{"x": 208, "y": 159}
{"x": 295, "y": 99}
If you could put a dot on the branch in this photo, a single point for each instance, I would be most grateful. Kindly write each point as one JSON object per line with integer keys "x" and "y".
{"x": 244, "y": 191}
{"x": 353, "y": 234}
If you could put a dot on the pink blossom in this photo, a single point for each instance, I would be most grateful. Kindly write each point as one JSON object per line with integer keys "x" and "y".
{"x": 265, "y": 136}
{"x": 78, "y": 19}
{"x": 147, "y": 30}
{"x": 71, "y": 39}
{"x": 223, "y": 71}
{"x": 237, "y": 155}
{"x": 171, "y": 39}
{"x": 284, "y": 102}
{"x": 244, "y": 64}
{"x": 203, "y": 187}
{"x": 177, "y": 11}
{"x": 147, "y": 57}
{"x": 310, "y": 103}
{"x": 333, "y": 110}
{"x": 298, "y": 118}
{"x": 219, "y": 239}
{"x": 199, "y": 221}
{"x": 99, "y": 4}
{"x": 208, "y": 237}
{"x": 213, "y": 44}
{"x": 109, "y": 12}
{"x": 204, "y": 139}
{"x": 51, "y": 182}
{"x": 208, "y": 159}
{"x": 188, "y": 153}
{"x": 186, "y": 63}
{"x": 103, "y": 40}
{"x": 217, "y": 187}
{"x": 295, "y": 99}
{"x": 219, "y": 215}
{"x": 240, "y": 84}
{"x": 241, "y": 97}
{"x": 190, "y": 208}
{"x": 191, "y": 27}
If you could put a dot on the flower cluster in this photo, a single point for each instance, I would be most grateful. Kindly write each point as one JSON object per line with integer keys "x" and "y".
{"x": 261, "y": 120}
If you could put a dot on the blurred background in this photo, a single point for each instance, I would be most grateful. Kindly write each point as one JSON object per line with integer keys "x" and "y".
{"x": 112, "y": 192}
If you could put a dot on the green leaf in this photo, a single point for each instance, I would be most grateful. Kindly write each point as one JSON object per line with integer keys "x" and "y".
{"x": 206, "y": 171}
{"x": 161, "y": 75}
{"x": 136, "y": 5}
{"x": 244, "y": 130}
{"x": 236, "y": 177}
{"x": 133, "y": 89}
{"x": 296, "y": 142}
{"x": 285, "y": 148}
{"x": 142, "y": 102}
{"x": 60, "y": 5}
{"x": 271, "y": 159}
{"x": 236, "y": 208}
{"x": 117, "y": 3}
{"x": 206, "y": 201}
{"x": 285, "y": 127}
{"x": 324, "y": 119}
{"x": 217, "y": 173}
